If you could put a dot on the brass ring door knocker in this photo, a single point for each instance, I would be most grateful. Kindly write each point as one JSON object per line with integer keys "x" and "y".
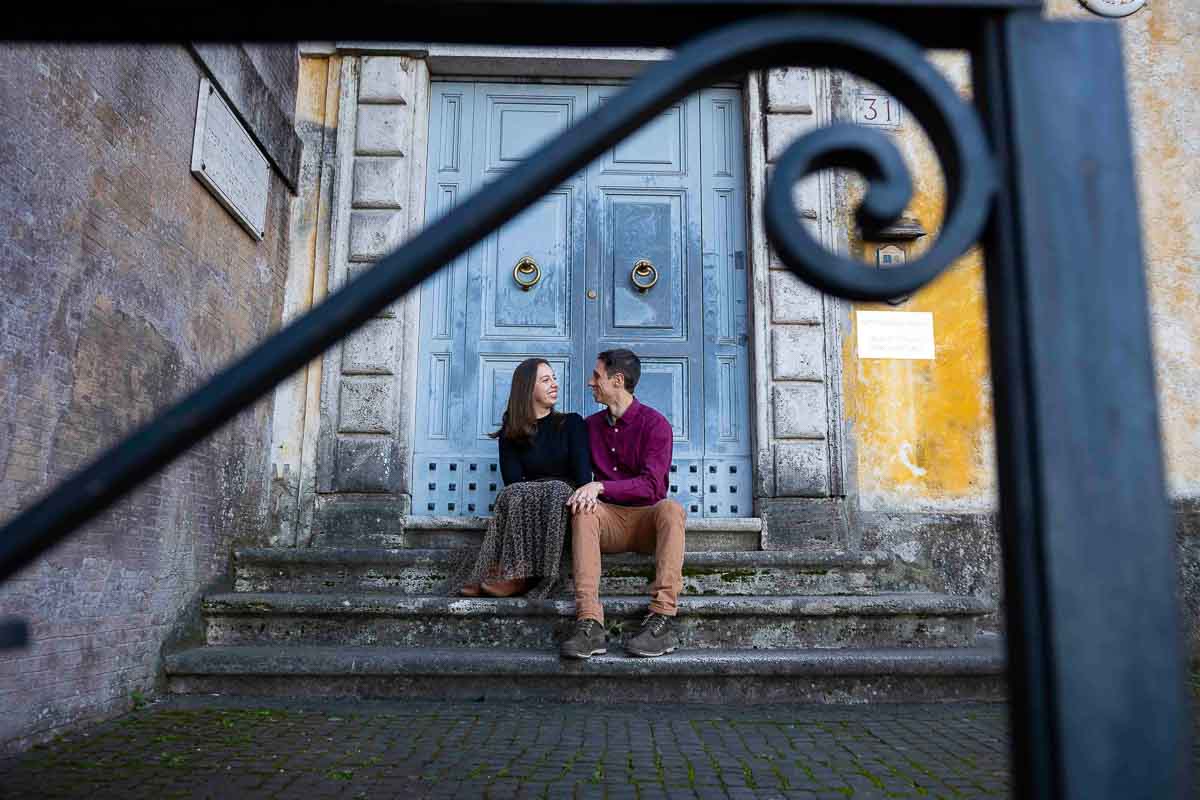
{"x": 527, "y": 273}
{"x": 644, "y": 275}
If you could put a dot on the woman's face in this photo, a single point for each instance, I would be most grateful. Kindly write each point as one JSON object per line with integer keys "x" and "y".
{"x": 545, "y": 387}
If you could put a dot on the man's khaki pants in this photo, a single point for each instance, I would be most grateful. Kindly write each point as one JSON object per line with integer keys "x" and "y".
{"x": 657, "y": 529}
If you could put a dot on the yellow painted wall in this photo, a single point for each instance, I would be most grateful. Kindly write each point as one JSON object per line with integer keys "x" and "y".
{"x": 922, "y": 430}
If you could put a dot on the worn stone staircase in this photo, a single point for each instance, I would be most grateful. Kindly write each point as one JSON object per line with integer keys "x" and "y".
{"x": 754, "y": 626}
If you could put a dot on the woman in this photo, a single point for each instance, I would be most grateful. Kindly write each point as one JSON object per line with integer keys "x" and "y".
{"x": 544, "y": 456}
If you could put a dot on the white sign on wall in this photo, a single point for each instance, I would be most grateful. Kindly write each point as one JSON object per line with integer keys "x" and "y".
{"x": 878, "y": 109}
{"x": 895, "y": 334}
{"x": 229, "y": 162}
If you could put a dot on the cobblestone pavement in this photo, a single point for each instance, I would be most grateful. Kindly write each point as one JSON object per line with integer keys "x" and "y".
{"x": 226, "y": 748}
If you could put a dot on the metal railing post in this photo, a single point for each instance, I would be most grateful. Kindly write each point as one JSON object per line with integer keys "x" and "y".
{"x": 1096, "y": 663}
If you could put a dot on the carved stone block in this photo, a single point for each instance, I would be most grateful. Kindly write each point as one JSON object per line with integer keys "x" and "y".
{"x": 806, "y": 197}
{"x": 374, "y": 234}
{"x": 793, "y": 300}
{"x": 380, "y": 182}
{"x": 383, "y": 79}
{"x": 783, "y": 129}
{"x": 799, "y": 410}
{"x": 367, "y": 465}
{"x": 370, "y": 350}
{"x": 790, "y": 89}
{"x": 366, "y": 405}
{"x": 798, "y": 353}
{"x": 382, "y": 130}
{"x": 805, "y": 524}
{"x": 802, "y": 469}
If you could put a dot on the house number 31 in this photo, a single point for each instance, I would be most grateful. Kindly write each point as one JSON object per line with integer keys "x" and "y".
{"x": 881, "y": 110}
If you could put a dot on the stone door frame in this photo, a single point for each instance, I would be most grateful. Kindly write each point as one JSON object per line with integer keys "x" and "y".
{"x": 798, "y": 437}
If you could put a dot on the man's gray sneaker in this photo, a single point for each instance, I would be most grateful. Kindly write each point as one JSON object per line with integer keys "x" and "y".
{"x": 587, "y": 640}
{"x": 655, "y": 638}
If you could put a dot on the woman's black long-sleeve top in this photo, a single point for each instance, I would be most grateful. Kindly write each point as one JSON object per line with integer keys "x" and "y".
{"x": 558, "y": 450}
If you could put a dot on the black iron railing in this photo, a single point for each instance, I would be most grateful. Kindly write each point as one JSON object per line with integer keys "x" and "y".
{"x": 1095, "y": 655}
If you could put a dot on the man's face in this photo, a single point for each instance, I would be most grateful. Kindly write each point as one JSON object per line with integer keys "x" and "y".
{"x": 605, "y": 388}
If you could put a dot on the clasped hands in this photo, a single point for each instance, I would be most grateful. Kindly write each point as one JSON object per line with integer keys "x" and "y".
{"x": 585, "y": 497}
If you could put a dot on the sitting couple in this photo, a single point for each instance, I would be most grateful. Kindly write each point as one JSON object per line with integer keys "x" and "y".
{"x": 547, "y": 461}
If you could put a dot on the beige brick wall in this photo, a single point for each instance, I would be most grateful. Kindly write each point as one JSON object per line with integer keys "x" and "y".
{"x": 123, "y": 284}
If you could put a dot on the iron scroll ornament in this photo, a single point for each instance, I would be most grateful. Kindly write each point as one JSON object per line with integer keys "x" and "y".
{"x": 966, "y": 161}
{"x": 798, "y": 39}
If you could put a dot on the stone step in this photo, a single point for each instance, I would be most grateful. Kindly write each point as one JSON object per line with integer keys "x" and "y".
{"x": 905, "y": 619}
{"x": 425, "y": 572}
{"x": 973, "y": 673}
{"x": 423, "y": 533}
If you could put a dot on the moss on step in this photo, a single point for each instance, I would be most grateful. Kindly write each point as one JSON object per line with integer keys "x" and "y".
{"x": 738, "y": 575}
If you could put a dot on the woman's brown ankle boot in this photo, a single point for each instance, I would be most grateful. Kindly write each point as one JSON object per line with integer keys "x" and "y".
{"x": 506, "y": 588}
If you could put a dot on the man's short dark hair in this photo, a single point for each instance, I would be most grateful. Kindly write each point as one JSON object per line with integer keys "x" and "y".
{"x": 624, "y": 362}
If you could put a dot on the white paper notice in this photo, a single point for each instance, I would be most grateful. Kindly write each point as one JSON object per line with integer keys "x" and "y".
{"x": 895, "y": 334}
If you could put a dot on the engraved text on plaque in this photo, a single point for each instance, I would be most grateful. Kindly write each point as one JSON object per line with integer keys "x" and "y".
{"x": 229, "y": 162}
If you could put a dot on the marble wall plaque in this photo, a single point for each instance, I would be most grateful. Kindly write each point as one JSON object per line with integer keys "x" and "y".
{"x": 228, "y": 161}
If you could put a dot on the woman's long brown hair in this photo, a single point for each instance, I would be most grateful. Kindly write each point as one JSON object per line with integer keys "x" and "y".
{"x": 519, "y": 423}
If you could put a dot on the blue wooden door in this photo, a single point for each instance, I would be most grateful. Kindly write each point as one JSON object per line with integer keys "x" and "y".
{"x": 643, "y": 250}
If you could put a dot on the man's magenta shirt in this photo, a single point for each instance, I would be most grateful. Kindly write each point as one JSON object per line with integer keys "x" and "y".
{"x": 631, "y": 457}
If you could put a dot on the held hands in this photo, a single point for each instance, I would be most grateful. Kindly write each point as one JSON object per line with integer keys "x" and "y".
{"x": 584, "y": 498}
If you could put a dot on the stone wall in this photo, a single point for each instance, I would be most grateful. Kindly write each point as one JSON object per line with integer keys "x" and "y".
{"x": 368, "y": 382}
{"x": 1162, "y": 73}
{"x": 123, "y": 284}
{"x": 277, "y": 66}
{"x": 798, "y": 371}
{"x": 376, "y": 205}
{"x": 803, "y": 508}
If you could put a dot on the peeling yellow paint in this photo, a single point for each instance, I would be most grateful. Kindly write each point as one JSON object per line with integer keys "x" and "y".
{"x": 922, "y": 429}
{"x": 310, "y": 97}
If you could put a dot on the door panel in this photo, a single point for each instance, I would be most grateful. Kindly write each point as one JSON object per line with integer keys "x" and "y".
{"x": 728, "y": 486}
{"x": 644, "y": 226}
{"x": 672, "y": 196}
{"x": 663, "y": 386}
{"x": 443, "y": 314}
{"x": 517, "y": 120}
{"x": 544, "y": 234}
{"x": 644, "y": 195}
{"x": 658, "y": 148}
{"x": 506, "y": 323}
{"x": 496, "y": 380}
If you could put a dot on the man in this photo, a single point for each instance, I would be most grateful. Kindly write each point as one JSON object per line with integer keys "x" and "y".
{"x": 625, "y": 509}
